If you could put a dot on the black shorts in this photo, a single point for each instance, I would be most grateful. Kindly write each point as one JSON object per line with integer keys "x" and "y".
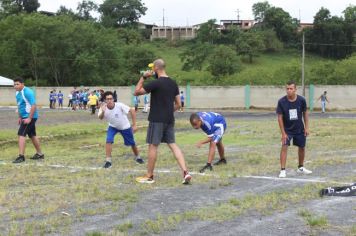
{"x": 299, "y": 140}
{"x": 182, "y": 104}
{"x": 28, "y": 129}
{"x": 158, "y": 132}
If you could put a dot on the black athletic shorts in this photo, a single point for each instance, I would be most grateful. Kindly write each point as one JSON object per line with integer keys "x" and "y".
{"x": 28, "y": 129}
{"x": 158, "y": 132}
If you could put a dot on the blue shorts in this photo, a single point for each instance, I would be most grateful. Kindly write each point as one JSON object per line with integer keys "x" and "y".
{"x": 219, "y": 132}
{"x": 127, "y": 134}
{"x": 299, "y": 140}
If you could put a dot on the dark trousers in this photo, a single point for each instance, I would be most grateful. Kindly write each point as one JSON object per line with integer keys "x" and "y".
{"x": 93, "y": 108}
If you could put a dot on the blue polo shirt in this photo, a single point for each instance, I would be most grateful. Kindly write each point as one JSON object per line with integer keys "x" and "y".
{"x": 25, "y": 100}
{"x": 292, "y": 113}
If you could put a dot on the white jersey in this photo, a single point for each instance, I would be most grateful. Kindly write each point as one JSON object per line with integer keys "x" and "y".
{"x": 117, "y": 117}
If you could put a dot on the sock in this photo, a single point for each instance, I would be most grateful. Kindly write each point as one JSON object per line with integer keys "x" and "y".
{"x": 138, "y": 157}
{"x": 108, "y": 159}
{"x": 300, "y": 166}
{"x": 208, "y": 164}
{"x": 20, "y": 155}
{"x": 185, "y": 172}
{"x": 283, "y": 168}
{"x": 40, "y": 153}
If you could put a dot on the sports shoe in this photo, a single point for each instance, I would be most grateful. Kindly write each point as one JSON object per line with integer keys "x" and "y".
{"x": 187, "y": 178}
{"x": 303, "y": 170}
{"x": 220, "y": 161}
{"x": 107, "y": 165}
{"x": 139, "y": 160}
{"x": 19, "y": 159}
{"x": 282, "y": 174}
{"x": 37, "y": 157}
{"x": 145, "y": 180}
{"x": 206, "y": 167}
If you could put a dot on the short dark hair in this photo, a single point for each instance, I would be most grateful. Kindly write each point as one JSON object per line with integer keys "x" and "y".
{"x": 107, "y": 93}
{"x": 290, "y": 82}
{"x": 193, "y": 117}
{"x": 19, "y": 79}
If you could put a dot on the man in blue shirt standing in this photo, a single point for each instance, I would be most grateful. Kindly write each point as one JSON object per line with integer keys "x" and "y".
{"x": 294, "y": 125}
{"x": 27, "y": 110}
{"x": 214, "y": 125}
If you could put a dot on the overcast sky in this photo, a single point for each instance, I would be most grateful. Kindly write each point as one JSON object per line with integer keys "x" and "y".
{"x": 190, "y": 12}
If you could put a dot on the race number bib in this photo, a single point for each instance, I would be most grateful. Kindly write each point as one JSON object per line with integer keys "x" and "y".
{"x": 293, "y": 114}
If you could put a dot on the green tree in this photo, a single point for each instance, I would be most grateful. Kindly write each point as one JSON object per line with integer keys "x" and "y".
{"x": 250, "y": 43}
{"x": 85, "y": 10}
{"x": 195, "y": 56}
{"x": 282, "y": 23}
{"x": 350, "y": 14}
{"x": 259, "y": 10}
{"x": 223, "y": 61}
{"x": 208, "y": 32}
{"x": 121, "y": 12}
{"x": 271, "y": 41}
{"x": 11, "y": 7}
{"x": 331, "y": 36}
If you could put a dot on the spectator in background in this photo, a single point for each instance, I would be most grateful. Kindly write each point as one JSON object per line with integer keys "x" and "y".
{"x": 54, "y": 99}
{"x": 85, "y": 99}
{"x": 70, "y": 100}
{"x": 146, "y": 102}
{"x": 136, "y": 102}
{"x": 323, "y": 98}
{"x": 51, "y": 97}
{"x": 115, "y": 96}
{"x": 93, "y": 102}
{"x": 60, "y": 99}
{"x": 182, "y": 101}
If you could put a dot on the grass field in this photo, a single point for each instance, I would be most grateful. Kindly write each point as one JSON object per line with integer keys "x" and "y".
{"x": 69, "y": 194}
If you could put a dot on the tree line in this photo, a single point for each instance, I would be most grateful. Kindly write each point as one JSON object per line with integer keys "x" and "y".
{"x": 275, "y": 30}
{"x": 102, "y": 45}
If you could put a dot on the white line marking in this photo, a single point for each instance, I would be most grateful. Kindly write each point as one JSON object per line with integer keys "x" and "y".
{"x": 294, "y": 179}
{"x": 176, "y": 171}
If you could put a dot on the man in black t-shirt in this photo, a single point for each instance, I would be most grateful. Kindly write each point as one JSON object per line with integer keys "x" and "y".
{"x": 165, "y": 100}
{"x": 293, "y": 122}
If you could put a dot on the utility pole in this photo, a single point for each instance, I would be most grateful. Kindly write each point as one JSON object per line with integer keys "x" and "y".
{"x": 163, "y": 17}
{"x": 238, "y": 14}
{"x": 303, "y": 59}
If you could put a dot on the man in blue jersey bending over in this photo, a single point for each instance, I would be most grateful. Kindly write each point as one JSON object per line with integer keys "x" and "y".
{"x": 214, "y": 125}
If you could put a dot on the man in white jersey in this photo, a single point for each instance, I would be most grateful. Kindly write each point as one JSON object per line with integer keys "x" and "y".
{"x": 116, "y": 115}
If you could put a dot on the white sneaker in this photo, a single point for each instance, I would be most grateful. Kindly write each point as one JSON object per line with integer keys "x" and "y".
{"x": 282, "y": 174}
{"x": 303, "y": 170}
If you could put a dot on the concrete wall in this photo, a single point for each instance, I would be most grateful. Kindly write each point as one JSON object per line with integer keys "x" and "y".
{"x": 213, "y": 97}
{"x": 341, "y": 97}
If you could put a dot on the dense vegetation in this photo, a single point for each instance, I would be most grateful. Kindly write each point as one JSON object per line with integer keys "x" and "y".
{"x": 74, "y": 48}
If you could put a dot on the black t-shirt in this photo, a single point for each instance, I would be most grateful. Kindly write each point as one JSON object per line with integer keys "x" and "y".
{"x": 163, "y": 92}
{"x": 292, "y": 114}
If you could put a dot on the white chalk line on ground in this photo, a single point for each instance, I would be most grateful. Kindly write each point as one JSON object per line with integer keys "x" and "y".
{"x": 175, "y": 171}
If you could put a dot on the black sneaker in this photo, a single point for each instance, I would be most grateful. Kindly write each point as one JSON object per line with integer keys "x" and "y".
{"x": 37, "y": 157}
{"x": 206, "y": 167}
{"x": 19, "y": 159}
{"x": 107, "y": 165}
{"x": 220, "y": 161}
{"x": 139, "y": 160}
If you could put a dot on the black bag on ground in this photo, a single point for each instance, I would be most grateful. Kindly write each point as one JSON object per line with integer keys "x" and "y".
{"x": 344, "y": 191}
